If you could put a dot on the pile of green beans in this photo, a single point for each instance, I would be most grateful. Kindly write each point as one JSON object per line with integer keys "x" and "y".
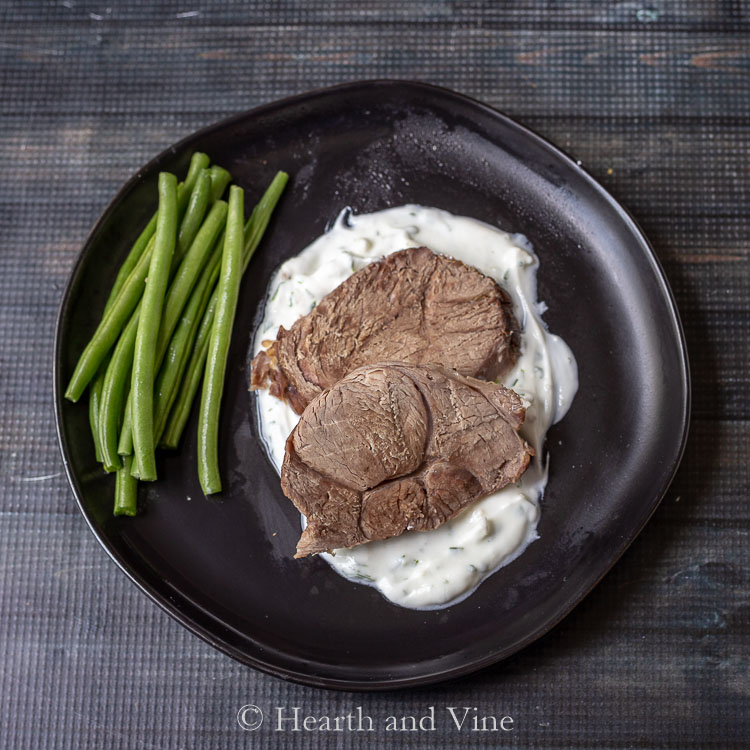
{"x": 167, "y": 325}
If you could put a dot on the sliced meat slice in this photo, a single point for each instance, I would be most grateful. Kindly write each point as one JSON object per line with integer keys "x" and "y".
{"x": 395, "y": 447}
{"x": 413, "y": 306}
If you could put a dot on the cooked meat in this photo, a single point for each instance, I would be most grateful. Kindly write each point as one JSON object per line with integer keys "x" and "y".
{"x": 413, "y": 306}
{"x": 393, "y": 447}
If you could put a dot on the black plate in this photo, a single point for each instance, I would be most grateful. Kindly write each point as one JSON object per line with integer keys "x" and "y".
{"x": 224, "y": 568}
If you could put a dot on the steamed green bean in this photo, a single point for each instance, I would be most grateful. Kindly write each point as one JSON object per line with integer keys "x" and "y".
{"x": 218, "y": 347}
{"x": 142, "y": 387}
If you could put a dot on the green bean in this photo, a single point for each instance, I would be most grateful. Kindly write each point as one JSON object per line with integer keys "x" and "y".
{"x": 261, "y": 215}
{"x": 95, "y": 389}
{"x": 94, "y": 399}
{"x": 116, "y": 386}
{"x": 187, "y": 271}
{"x": 175, "y": 300}
{"x": 121, "y": 304}
{"x": 181, "y": 345}
{"x": 218, "y": 348}
{"x": 196, "y": 366}
{"x": 125, "y": 444}
{"x": 126, "y": 490}
{"x": 198, "y": 162}
{"x": 187, "y": 275}
{"x": 110, "y": 326}
{"x": 194, "y": 214}
{"x": 131, "y": 260}
{"x": 142, "y": 414}
{"x": 220, "y": 178}
{"x": 254, "y": 229}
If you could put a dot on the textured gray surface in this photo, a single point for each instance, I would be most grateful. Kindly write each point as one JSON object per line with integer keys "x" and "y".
{"x": 653, "y": 98}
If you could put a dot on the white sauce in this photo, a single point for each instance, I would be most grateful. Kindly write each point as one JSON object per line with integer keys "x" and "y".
{"x": 425, "y": 570}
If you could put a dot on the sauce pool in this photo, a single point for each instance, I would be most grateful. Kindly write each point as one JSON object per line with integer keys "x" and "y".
{"x": 433, "y": 569}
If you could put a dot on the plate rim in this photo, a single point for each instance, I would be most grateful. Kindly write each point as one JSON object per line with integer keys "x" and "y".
{"x": 205, "y": 634}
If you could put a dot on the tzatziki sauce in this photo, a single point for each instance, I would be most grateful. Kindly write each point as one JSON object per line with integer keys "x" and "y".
{"x": 433, "y": 569}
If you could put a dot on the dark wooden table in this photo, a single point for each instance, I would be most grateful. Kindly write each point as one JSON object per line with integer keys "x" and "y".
{"x": 653, "y": 97}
